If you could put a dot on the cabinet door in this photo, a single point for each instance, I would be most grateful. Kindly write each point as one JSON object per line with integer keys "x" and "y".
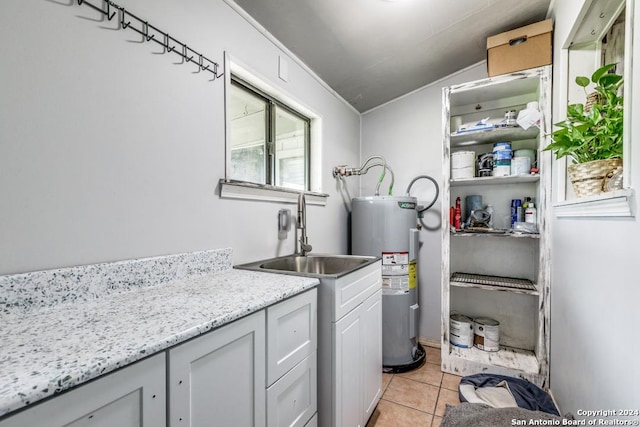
{"x": 133, "y": 396}
{"x": 347, "y": 376}
{"x": 313, "y": 422}
{"x": 372, "y": 353}
{"x": 291, "y": 333}
{"x": 219, "y": 378}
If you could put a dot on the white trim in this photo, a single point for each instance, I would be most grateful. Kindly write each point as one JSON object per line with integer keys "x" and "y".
{"x": 235, "y": 67}
{"x": 255, "y": 24}
{"x": 267, "y": 193}
{"x": 628, "y": 92}
{"x": 614, "y": 204}
{"x": 618, "y": 203}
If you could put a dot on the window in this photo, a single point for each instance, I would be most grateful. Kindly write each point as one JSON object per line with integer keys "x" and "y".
{"x": 600, "y": 35}
{"x": 268, "y": 141}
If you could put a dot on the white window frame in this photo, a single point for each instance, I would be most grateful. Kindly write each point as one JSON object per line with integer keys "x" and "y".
{"x": 264, "y": 192}
{"x": 589, "y": 29}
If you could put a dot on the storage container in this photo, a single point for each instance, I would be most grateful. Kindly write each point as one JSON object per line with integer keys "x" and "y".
{"x": 520, "y": 49}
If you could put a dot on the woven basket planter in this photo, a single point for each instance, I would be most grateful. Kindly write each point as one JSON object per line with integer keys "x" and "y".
{"x": 592, "y": 98}
{"x": 588, "y": 178}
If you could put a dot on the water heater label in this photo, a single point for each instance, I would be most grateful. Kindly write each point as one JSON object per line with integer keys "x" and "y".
{"x": 413, "y": 274}
{"x": 395, "y": 271}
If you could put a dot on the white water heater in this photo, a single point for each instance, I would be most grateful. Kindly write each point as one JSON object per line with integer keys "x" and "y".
{"x": 386, "y": 226}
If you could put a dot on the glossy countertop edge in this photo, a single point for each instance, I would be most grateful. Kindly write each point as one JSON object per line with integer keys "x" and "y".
{"x": 48, "y": 350}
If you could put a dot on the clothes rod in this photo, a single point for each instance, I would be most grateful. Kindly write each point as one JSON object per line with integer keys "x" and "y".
{"x": 152, "y": 33}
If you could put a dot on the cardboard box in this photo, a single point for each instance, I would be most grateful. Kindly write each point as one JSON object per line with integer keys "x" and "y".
{"x": 520, "y": 49}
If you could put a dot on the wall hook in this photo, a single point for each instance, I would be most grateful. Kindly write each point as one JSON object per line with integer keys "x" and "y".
{"x": 185, "y": 56}
{"x": 122, "y": 23}
{"x": 145, "y": 29}
{"x": 169, "y": 49}
{"x": 109, "y": 15}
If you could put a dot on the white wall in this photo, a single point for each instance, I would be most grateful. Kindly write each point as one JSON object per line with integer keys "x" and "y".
{"x": 110, "y": 151}
{"x": 595, "y": 295}
{"x": 408, "y": 133}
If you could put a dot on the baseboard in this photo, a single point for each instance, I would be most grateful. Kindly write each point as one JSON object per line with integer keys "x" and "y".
{"x": 429, "y": 342}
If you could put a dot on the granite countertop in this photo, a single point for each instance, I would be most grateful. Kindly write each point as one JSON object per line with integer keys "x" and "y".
{"x": 48, "y": 348}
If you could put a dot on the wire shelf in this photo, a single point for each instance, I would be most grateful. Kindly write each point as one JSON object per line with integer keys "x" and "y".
{"x": 501, "y": 282}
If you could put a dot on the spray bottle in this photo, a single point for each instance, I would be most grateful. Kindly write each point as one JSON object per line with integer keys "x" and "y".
{"x": 458, "y": 214}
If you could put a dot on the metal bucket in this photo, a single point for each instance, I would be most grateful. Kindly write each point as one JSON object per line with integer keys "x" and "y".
{"x": 461, "y": 331}
{"x": 486, "y": 334}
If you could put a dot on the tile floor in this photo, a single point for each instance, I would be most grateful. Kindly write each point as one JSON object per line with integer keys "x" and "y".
{"x": 416, "y": 398}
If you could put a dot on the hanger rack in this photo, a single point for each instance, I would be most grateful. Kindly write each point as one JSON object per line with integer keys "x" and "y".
{"x": 152, "y": 33}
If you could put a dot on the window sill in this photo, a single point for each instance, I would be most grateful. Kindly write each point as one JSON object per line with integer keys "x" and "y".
{"x": 230, "y": 189}
{"x": 619, "y": 203}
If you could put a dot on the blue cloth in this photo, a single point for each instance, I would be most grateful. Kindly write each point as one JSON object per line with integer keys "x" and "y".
{"x": 526, "y": 394}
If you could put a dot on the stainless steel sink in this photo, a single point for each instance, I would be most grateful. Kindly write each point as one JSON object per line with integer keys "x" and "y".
{"x": 311, "y": 265}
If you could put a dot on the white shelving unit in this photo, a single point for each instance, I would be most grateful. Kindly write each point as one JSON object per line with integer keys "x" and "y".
{"x": 523, "y": 313}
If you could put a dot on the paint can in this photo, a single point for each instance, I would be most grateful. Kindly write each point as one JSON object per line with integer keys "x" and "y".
{"x": 526, "y": 152}
{"x": 486, "y": 334}
{"x": 520, "y": 166}
{"x": 502, "y": 151}
{"x": 461, "y": 331}
{"x": 501, "y": 159}
{"x": 463, "y": 164}
{"x": 501, "y": 170}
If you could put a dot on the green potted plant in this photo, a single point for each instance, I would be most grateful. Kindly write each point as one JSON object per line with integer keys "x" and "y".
{"x": 592, "y": 134}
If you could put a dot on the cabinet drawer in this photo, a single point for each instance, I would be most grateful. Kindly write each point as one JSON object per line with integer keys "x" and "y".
{"x": 291, "y": 333}
{"x": 292, "y": 400}
{"x": 351, "y": 290}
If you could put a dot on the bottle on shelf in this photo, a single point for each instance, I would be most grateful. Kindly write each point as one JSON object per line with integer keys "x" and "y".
{"x": 458, "y": 215}
{"x": 530, "y": 213}
{"x": 516, "y": 211}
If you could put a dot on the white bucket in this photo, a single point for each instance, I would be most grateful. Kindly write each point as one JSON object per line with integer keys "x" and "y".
{"x": 460, "y": 331}
{"x": 463, "y": 164}
{"x": 520, "y": 166}
{"x": 526, "y": 152}
{"x": 486, "y": 334}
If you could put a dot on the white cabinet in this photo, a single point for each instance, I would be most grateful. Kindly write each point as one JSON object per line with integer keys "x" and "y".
{"x": 292, "y": 333}
{"x": 130, "y": 397}
{"x": 371, "y": 353}
{"x": 292, "y": 393}
{"x": 469, "y": 256}
{"x": 259, "y": 370}
{"x": 350, "y": 347}
{"x": 292, "y": 400}
{"x": 219, "y": 378}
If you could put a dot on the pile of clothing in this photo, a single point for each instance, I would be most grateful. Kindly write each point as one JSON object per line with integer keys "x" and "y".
{"x": 496, "y": 400}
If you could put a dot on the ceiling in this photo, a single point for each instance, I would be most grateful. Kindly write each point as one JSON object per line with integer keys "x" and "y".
{"x": 372, "y": 51}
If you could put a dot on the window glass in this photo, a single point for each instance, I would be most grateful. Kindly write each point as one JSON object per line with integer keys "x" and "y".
{"x": 291, "y": 141}
{"x": 269, "y": 142}
{"x": 249, "y": 120}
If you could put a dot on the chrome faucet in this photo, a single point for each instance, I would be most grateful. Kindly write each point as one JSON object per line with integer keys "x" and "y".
{"x": 301, "y": 224}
